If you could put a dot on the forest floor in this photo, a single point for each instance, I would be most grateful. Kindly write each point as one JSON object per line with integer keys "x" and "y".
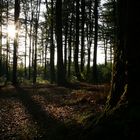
{"x": 49, "y": 112}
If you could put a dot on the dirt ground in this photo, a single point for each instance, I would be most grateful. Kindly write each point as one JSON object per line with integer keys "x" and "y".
{"x": 49, "y": 112}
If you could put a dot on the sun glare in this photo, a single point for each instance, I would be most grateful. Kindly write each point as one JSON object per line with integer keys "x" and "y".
{"x": 11, "y": 31}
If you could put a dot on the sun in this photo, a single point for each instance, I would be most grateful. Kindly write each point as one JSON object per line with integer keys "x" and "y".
{"x": 11, "y": 31}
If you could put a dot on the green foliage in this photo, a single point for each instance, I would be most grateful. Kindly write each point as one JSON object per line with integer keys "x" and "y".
{"x": 2, "y": 68}
{"x": 73, "y": 79}
{"x": 104, "y": 73}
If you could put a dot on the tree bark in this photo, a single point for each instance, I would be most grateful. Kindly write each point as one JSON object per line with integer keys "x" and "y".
{"x": 7, "y": 44}
{"x": 70, "y": 49}
{"x": 95, "y": 76}
{"x": 16, "y": 19}
{"x": 76, "y": 51}
{"x": 26, "y": 33}
{"x": 36, "y": 41}
{"x": 60, "y": 66}
{"x": 1, "y": 11}
{"x": 83, "y": 36}
{"x": 52, "y": 48}
{"x": 121, "y": 115}
{"x": 30, "y": 39}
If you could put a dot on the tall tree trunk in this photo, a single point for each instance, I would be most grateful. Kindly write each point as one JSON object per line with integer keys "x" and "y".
{"x": 36, "y": 41}
{"x": 46, "y": 46}
{"x": 125, "y": 84}
{"x": 89, "y": 40}
{"x": 1, "y": 11}
{"x": 60, "y": 66}
{"x": 105, "y": 43}
{"x": 65, "y": 47}
{"x": 30, "y": 39}
{"x": 70, "y": 49}
{"x": 26, "y": 32}
{"x": 16, "y": 19}
{"x": 76, "y": 51}
{"x": 89, "y": 59}
{"x": 52, "y": 47}
{"x": 119, "y": 80}
{"x": 105, "y": 50}
{"x": 133, "y": 55}
{"x": 45, "y": 69}
{"x": 7, "y": 44}
{"x": 95, "y": 77}
{"x": 83, "y": 35}
{"x": 121, "y": 117}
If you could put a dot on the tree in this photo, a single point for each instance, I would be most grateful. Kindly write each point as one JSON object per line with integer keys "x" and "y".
{"x": 82, "y": 35}
{"x": 89, "y": 38}
{"x": 52, "y": 47}
{"x": 1, "y": 11}
{"x": 126, "y": 62}
{"x": 95, "y": 41}
{"x": 30, "y": 37}
{"x": 108, "y": 28}
{"x": 7, "y": 44}
{"x": 76, "y": 50}
{"x": 16, "y": 20}
{"x": 70, "y": 48}
{"x": 37, "y": 15}
{"x": 121, "y": 116}
{"x": 60, "y": 66}
{"x": 25, "y": 8}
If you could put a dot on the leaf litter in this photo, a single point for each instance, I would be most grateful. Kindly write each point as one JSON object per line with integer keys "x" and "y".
{"x": 66, "y": 105}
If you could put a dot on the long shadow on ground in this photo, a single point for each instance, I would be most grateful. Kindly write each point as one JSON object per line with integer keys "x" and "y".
{"x": 48, "y": 127}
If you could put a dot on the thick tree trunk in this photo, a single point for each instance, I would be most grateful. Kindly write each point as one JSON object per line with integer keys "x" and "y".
{"x": 132, "y": 44}
{"x": 121, "y": 116}
{"x": 120, "y": 60}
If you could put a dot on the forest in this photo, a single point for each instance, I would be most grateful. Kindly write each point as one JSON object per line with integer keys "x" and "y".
{"x": 69, "y": 69}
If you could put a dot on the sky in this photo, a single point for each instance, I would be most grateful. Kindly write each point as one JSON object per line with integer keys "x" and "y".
{"x": 100, "y": 58}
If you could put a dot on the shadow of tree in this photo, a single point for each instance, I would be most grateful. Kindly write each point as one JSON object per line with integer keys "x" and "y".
{"x": 49, "y": 128}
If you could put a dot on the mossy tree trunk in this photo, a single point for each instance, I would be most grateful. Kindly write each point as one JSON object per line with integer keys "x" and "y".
{"x": 126, "y": 62}
{"x": 118, "y": 81}
{"x": 121, "y": 115}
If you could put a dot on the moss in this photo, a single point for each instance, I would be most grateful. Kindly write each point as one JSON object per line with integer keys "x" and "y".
{"x": 112, "y": 123}
{"x": 123, "y": 98}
